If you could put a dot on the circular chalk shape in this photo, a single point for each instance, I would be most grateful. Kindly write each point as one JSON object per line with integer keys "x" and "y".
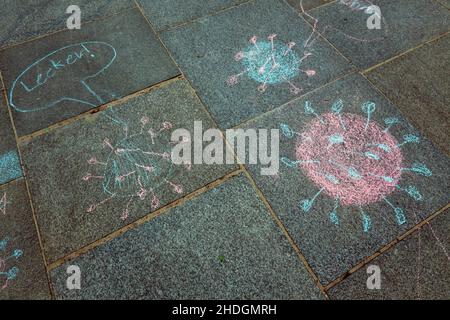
{"x": 352, "y": 159}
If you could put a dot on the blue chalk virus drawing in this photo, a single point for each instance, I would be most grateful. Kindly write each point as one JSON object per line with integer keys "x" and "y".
{"x": 10, "y": 168}
{"x": 8, "y": 268}
{"x": 137, "y": 167}
{"x": 271, "y": 62}
{"x": 353, "y": 160}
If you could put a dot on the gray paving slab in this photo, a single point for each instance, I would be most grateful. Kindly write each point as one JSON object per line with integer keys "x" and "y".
{"x": 102, "y": 172}
{"x": 229, "y": 70}
{"x": 22, "y": 271}
{"x": 418, "y": 84}
{"x": 222, "y": 244}
{"x": 348, "y": 185}
{"x": 417, "y": 268}
{"x": 10, "y": 168}
{"x": 404, "y": 25}
{"x": 27, "y": 19}
{"x": 169, "y": 13}
{"x": 57, "y": 77}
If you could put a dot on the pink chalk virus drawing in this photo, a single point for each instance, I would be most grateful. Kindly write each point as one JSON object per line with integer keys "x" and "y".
{"x": 8, "y": 272}
{"x": 271, "y": 62}
{"x": 137, "y": 167}
{"x": 353, "y": 160}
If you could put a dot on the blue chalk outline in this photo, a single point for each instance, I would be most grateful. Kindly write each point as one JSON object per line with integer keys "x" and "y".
{"x": 82, "y": 81}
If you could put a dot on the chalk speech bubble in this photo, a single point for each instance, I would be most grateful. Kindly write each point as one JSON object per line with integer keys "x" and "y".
{"x": 61, "y": 76}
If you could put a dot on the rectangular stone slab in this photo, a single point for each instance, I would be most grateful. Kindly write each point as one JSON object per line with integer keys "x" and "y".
{"x": 27, "y": 19}
{"x": 330, "y": 166}
{"x": 20, "y": 254}
{"x": 67, "y": 73}
{"x": 87, "y": 176}
{"x": 169, "y": 13}
{"x": 10, "y": 168}
{"x": 222, "y": 244}
{"x": 207, "y": 51}
{"x": 404, "y": 25}
{"x": 416, "y": 268}
{"x": 418, "y": 84}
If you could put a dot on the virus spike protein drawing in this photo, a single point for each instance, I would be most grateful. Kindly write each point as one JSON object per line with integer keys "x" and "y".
{"x": 353, "y": 160}
{"x": 137, "y": 166}
{"x": 271, "y": 62}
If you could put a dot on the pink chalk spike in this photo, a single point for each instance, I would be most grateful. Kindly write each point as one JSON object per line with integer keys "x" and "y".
{"x": 125, "y": 215}
{"x": 145, "y": 120}
{"x": 146, "y": 168}
{"x": 176, "y": 188}
{"x": 152, "y": 135}
{"x": 262, "y": 88}
{"x": 253, "y": 39}
{"x": 91, "y": 208}
{"x": 89, "y": 176}
{"x": 188, "y": 166}
{"x": 239, "y": 56}
{"x": 272, "y": 36}
{"x": 310, "y": 73}
{"x": 107, "y": 143}
{"x": 289, "y": 49}
{"x": 232, "y": 80}
{"x": 142, "y": 194}
{"x": 124, "y": 176}
{"x": 294, "y": 90}
{"x": 167, "y": 125}
{"x": 155, "y": 202}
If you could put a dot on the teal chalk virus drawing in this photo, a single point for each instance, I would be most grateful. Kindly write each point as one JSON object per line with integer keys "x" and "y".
{"x": 354, "y": 161}
{"x": 271, "y": 62}
{"x": 8, "y": 270}
{"x": 137, "y": 167}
